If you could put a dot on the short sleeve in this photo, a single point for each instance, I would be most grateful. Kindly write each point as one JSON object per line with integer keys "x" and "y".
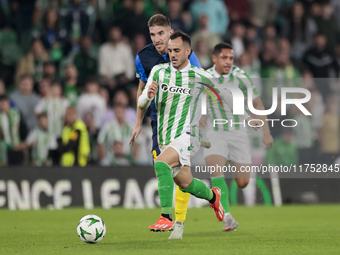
{"x": 140, "y": 71}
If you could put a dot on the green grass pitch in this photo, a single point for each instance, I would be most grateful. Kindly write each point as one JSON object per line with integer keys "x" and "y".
{"x": 262, "y": 230}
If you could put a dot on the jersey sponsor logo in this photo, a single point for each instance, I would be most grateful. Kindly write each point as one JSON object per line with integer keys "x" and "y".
{"x": 176, "y": 90}
{"x": 164, "y": 87}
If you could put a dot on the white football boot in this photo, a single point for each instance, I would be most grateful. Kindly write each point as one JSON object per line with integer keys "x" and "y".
{"x": 178, "y": 230}
{"x": 230, "y": 223}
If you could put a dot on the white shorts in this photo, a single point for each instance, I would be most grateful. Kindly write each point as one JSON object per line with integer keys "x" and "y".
{"x": 186, "y": 146}
{"x": 233, "y": 145}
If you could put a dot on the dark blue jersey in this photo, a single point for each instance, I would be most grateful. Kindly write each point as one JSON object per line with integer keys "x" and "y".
{"x": 146, "y": 59}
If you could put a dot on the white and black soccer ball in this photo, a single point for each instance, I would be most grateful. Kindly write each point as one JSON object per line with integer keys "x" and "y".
{"x": 91, "y": 229}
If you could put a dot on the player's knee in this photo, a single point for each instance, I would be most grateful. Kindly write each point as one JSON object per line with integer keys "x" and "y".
{"x": 242, "y": 183}
{"x": 183, "y": 186}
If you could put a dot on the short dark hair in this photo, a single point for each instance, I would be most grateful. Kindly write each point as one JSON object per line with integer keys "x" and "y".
{"x": 24, "y": 77}
{"x": 218, "y": 47}
{"x": 42, "y": 115}
{"x": 92, "y": 79}
{"x": 3, "y": 97}
{"x": 159, "y": 20}
{"x": 180, "y": 34}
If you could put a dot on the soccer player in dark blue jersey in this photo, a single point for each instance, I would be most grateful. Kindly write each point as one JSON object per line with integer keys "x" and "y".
{"x": 154, "y": 54}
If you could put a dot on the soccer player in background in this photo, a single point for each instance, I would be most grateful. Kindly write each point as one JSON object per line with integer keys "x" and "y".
{"x": 230, "y": 143}
{"x": 177, "y": 91}
{"x": 154, "y": 54}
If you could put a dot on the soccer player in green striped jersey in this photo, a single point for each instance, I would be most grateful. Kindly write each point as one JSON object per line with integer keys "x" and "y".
{"x": 177, "y": 88}
{"x": 230, "y": 142}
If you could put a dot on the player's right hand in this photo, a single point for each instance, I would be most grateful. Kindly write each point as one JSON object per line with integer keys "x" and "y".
{"x": 135, "y": 133}
{"x": 153, "y": 88}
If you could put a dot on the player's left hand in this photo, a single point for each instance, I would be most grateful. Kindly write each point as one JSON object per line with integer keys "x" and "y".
{"x": 135, "y": 133}
{"x": 255, "y": 124}
{"x": 268, "y": 140}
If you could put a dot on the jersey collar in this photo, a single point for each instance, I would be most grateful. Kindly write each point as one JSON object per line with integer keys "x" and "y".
{"x": 217, "y": 75}
{"x": 185, "y": 69}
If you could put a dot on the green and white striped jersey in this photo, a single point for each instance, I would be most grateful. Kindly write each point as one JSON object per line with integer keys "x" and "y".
{"x": 43, "y": 141}
{"x": 236, "y": 77}
{"x": 112, "y": 132}
{"x": 55, "y": 109}
{"x": 179, "y": 99}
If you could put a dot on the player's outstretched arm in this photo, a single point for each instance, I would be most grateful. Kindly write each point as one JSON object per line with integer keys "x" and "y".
{"x": 140, "y": 115}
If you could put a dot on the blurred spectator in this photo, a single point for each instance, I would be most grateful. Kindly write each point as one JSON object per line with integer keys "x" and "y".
{"x": 135, "y": 22}
{"x": 336, "y": 7}
{"x": 239, "y": 10}
{"x": 284, "y": 152}
{"x": 26, "y": 100}
{"x": 74, "y": 146}
{"x": 337, "y": 51}
{"x": 76, "y": 19}
{"x": 262, "y": 12}
{"x": 322, "y": 63}
{"x": 299, "y": 30}
{"x": 251, "y": 36}
{"x": 43, "y": 6}
{"x": 121, "y": 53}
{"x": 104, "y": 93}
{"x": 122, "y": 98}
{"x": 253, "y": 51}
{"x": 329, "y": 132}
{"x": 44, "y": 87}
{"x": 113, "y": 141}
{"x": 238, "y": 33}
{"x": 319, "y": 60}
{"x": 9, "y": 129}
{"x": 133, "y": 97}
{"x": 93, "y": 134}
{"x": 91, "y": 101}
{"x": 316, "y": 101}
{"x": 51, "y": 34}
{"x": 202, "y": 53}
{"x": 33, "y": 62}
{"x": 41, "y": 141}
{"x": 3, "y": 92}
{"x": 70, "y": 84}
{"x": 55, "y": 106}
{"x": 204, "y": 34}
{"x": 279, "y": 75}
{"x": 139, "y": 42}
{"x": 315, "y": 9}
{"x": 269, "y": 32}
{"x": 327, "y": 25}
{"x": 245, "y": 63}
{"x": 49, "y": 70}
{"x": 216, "y": 12}
{"x": 23, "y": 10}
{"x": 283, "y": 46}
{"x": 175, "y": 15}
{"x": 268, "y": 53}
{"x": 85, "y": 64}
{"x": 6, "y": 15}
{"x": 304, "y": 135}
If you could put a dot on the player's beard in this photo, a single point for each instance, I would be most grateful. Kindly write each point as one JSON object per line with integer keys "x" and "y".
{"x": 179, "y": 63}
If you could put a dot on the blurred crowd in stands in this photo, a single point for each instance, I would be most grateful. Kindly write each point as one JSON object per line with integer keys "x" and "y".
{"x": 67, "y": 63}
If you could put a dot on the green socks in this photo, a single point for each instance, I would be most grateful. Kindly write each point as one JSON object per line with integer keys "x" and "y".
{"x": 165, "y": 186}
{"x": 220, "y": 183}
{"x": 199, "y": 189}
